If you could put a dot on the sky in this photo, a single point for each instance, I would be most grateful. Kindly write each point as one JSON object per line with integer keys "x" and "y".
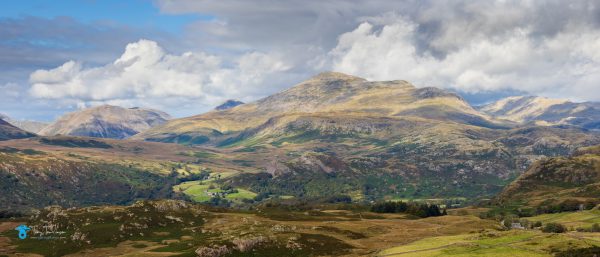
{"x": 187, "y": 56}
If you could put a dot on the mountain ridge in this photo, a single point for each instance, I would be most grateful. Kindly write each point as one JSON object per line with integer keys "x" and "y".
{"x": 328, "y": 92}
{"x": 27, "y": 125}
{"x": 8, "y": 131}
{"x": 106, "y": 121}
{"x": 545, "y": 111}
{"x": 336, "y": 133}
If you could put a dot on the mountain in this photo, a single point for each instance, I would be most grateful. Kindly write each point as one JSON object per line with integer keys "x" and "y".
{"x": 106, "y": 121}
{"x": 79, "y": 171}
{"x": 228, "y": 105}
{"x": 559, "y": 182}
{"x": 27, "y": 125}
{"x": 328, "y": 94}
{"x": 8, "y": 131}
{"x": 340, "y": 134}
{"x": 545, "y": 111}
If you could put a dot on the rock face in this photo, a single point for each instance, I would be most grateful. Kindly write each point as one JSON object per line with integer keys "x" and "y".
{"x": 228, "y": 105}
{"x": 8, "y": 131}
{"x": 106, "y": 121}
{"x": 545, "y": 111}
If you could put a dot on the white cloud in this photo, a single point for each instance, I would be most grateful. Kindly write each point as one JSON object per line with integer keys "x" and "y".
{"x": 247, "y": 51}
{"x": 11, "y": 90}
{"x": 561, "y": 65}
{"x": 146, "y": 74}
{"x": 543, "y": 47}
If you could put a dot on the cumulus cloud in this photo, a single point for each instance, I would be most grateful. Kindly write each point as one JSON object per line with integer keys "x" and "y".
{"x": 541, "y": 47}
{"x": 250, "y": 49}
{"x": 11, "y": 90}
{"x": 146, "y": 73}
{"x": 566, "y": 62}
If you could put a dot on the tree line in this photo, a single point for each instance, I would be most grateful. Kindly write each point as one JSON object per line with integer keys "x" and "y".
{"x": 418, "y": 209}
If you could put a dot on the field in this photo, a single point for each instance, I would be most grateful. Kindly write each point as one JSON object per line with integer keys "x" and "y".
{"x": 508, "y": 243}
{"x": 199, "y": 190}
{"x": 496, "y": 244}
{"x": 574, "y": 220}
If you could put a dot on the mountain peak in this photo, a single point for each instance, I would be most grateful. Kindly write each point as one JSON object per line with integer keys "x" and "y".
{"x": 228, "y": 104}
{"x": 107, "y": 121}
{"x": 332, "y": 75}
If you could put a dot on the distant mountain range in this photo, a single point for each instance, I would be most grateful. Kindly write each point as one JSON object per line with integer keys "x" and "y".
{"x": 545, "y": 112}
{"x": 8, "y": 131}
{"x": 106, "y": 121}
{"x": 27, "y": 125}
{"x": 331, "y": 133}
{"x": 340, "y": 134}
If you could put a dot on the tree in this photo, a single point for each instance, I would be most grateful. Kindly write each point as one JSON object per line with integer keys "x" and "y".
{"x": 422, "y": 210}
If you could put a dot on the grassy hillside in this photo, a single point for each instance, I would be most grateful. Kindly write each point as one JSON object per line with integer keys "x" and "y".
{"x": 176, "y": 228}
{"x": 559, "y": 182}
{"x": 495, "y": 244}
{"x": 78, "y": 171}
{"x": 35, "y": 179}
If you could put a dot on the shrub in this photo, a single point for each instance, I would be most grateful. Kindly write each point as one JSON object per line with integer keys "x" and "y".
{"x": 554, "y": 228}
{"x": 595, "y": 228}
{"x": 261, "y": 196}
{"x": 338, "y": 199}
{"x": 581, "y": 252}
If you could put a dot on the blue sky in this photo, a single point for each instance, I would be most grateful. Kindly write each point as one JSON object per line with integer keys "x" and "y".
{"x": 64, "y": 40}
{"x": 187, "y": 56}
{"x": 134, "y": 13}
